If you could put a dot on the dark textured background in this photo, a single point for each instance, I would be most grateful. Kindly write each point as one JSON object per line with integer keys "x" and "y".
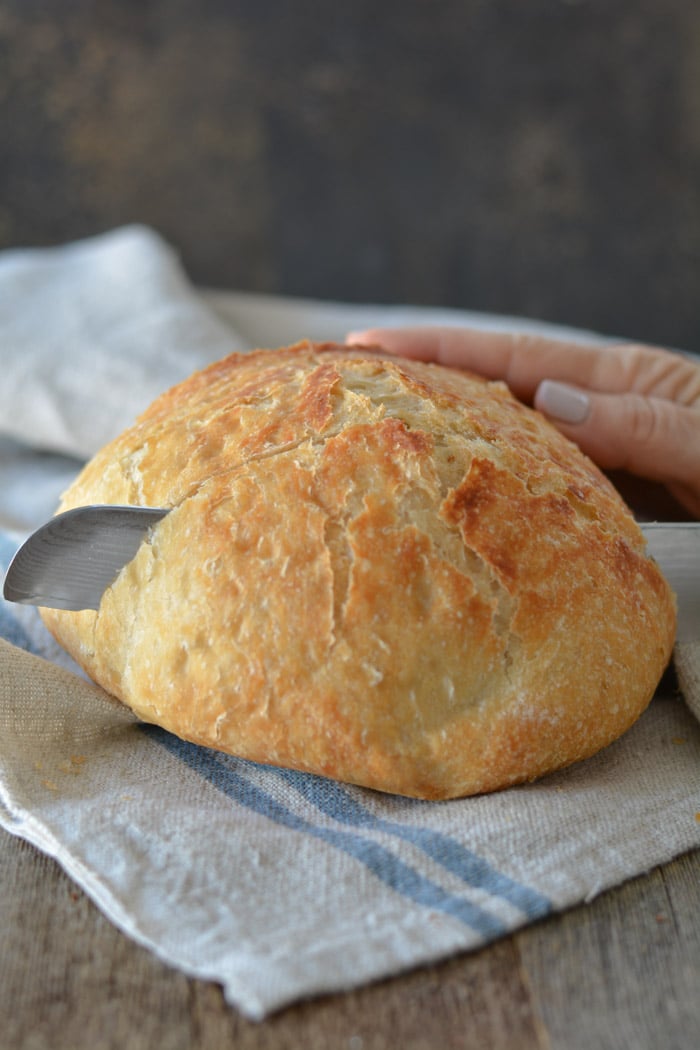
{"x": 534, "y": 157}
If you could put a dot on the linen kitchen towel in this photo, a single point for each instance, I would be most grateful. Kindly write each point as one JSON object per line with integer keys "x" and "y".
{"x": 277, "y": 884}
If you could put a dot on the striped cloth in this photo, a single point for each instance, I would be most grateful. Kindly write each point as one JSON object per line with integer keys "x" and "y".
{"x": 281, "y": 885}
{"x": 277, "y": 884}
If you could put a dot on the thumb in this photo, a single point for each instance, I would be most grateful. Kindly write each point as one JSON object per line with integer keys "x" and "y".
{"x": 651, "y": 437}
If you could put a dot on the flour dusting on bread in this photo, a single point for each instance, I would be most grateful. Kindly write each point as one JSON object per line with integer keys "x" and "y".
{"x": 375, "y": 569}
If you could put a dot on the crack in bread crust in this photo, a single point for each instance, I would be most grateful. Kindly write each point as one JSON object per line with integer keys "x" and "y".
{"x": 374, "y": 569}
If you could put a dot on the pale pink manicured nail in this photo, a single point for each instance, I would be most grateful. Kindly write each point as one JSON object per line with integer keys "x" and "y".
{"x": 356, "y": 337}
{"x": 562, "y": 402}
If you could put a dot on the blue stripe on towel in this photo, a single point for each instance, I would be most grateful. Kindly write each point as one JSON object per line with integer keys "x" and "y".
{"x": 10, "y": 628}
{"x": 337, "y": 802}
{"x": 219, "y": 771}
{"x": 13, "y": 632}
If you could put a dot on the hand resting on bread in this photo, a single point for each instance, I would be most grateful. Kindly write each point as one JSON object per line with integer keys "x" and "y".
{"x": 629, "y": 407}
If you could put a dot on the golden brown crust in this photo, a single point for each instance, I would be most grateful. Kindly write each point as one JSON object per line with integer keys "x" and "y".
{"x": 375, "y": 569}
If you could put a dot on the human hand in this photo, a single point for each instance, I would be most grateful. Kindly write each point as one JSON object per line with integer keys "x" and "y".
{"x": 629, "y": 407}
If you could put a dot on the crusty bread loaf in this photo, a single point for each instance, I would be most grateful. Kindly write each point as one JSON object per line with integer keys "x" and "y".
{"x": 378, "y": 570}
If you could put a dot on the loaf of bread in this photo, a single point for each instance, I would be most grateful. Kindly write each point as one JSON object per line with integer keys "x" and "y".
{"x": 378, "y": 570}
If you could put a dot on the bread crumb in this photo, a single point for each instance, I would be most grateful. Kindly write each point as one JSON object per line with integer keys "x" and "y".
{"x": 374, "y": 675}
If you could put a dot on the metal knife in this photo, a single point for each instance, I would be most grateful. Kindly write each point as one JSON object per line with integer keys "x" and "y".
{"x": 70, "y": 561}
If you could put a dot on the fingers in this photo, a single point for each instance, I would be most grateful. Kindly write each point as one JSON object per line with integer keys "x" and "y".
{"x": 524, "y": 360}
{"x": 647, "y": 436}
{"x": 629, "y": 407}
{"x": 521, "y": 360}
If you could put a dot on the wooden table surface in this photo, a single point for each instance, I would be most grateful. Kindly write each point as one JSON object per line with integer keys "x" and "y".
{"x": 622, "y": 971}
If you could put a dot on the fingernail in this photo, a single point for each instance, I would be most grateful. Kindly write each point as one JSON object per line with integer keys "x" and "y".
{"x": 562, "y": 402}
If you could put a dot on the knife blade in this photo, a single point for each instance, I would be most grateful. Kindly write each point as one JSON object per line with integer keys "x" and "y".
{"x": 675, "y": 547}
{"x": 70, "y": 561}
